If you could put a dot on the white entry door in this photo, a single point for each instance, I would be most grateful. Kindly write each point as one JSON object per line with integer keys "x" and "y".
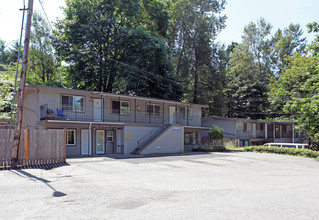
{"x": 84, "y": 142}
{"x": 100, "y": 142}
{"x": 172, "y": 115}
{"x": 97, "y": 111}
{"x": 254, "y": 130}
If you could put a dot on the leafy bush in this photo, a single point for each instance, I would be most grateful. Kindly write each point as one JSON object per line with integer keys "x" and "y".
{"x": 218, "y": 148}
{"x": 211, "y": 148}
{"x": 283, "y": 150}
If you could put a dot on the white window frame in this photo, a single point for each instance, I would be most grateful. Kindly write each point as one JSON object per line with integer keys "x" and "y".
{"x": 121, "y": 111}
{"x": 72, "y": 108}
{"x": 248, "y": 127}
{"x": 74, "y": 136}
{"x": 188, "y": 113}
{"x": 153, "y": 112}
{"x": 107, "y": 136}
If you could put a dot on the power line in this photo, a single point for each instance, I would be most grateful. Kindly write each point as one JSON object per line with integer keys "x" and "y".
{"x": 40, "y": 1}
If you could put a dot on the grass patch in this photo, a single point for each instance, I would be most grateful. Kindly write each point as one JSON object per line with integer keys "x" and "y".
{"x": 278, "y": 150}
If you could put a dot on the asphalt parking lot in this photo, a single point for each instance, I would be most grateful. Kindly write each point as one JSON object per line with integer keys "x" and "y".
{"x": 191, "y": 186}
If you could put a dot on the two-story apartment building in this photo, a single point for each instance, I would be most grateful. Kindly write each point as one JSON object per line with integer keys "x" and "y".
{"x": 99, "y": 123}
{"x": 255, "y": 132}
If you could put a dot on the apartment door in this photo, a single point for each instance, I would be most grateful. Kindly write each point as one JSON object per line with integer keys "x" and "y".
{"x": 254, "y": 130}
{"x": 84, "y": 142}
{"x": 172, "y": 114}
{"x": 97, "y": 111}
{"x": 100, "y": 141}
{"x": 109, "y": 142}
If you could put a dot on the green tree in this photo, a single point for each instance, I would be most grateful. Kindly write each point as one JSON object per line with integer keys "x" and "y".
{"x": 300, "y": 90}
{"x": 9, "y": 53}
{"x": 193, "y": 28}
{"x": 216, "y": 133}
{"x": 256, "y": 64}
{"x": 43, "y": 64}
{"x": 7, "y": 77}
{"x": 285, "y": 43}
{"x": 246, "y": 88}
{"x": 110, "y": 48}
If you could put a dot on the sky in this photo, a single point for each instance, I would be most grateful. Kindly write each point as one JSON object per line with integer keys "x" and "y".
{"x": 279, "y": 13}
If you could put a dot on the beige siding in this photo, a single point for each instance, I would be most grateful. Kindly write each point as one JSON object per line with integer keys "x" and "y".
{"x": 134, "y": 133}
{"x": 30, "y": 110}
{"x": 171, "y": 141}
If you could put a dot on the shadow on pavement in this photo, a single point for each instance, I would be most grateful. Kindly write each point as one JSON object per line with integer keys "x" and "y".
{"x": 25, "y": 174}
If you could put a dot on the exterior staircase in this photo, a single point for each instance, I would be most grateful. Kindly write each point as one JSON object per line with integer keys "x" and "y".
{"x": 149, "y": 137}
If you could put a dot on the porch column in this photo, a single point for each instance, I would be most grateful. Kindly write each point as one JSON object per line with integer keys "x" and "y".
{"x": 187, "y": 114}
{"x": 175, "y": 114}
{"x": 163, "y": 112}
{"x": 274, "y": 131}
{"x": 193, "y": 137}
{"x": 293, "y": 133}
{"x": 266, "y": 130}
{"x": 134, "y": 110}
{"x": 280, "y": 132}
{"x": 118, "y": 116}
{"x": 149, "y": 113}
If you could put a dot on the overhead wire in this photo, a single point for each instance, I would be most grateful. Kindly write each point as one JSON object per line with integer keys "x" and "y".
{"x": 49, "y": 22}
{"x": 16, "y": 78}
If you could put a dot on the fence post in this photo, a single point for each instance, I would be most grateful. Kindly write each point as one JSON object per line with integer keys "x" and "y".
{"x": 26, "y": 145}
{"x": 64, "y": 144}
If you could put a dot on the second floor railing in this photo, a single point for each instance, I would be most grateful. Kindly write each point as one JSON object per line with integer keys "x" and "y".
{"x": 57, "y": 112}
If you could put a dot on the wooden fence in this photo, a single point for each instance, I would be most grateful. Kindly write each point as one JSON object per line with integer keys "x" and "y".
{"x": 37, "y": 147}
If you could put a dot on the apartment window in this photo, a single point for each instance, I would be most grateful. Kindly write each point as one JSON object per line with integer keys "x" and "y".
{"x": 188, "y": 138}
{"x": 109, "y": 136}
{"x": 247, "y": 127}
{"x": 73, "y": 103}
{"x": 121, "y": 107}
{"x": 240, "y": 126}
{"x": 185, "y": 114}
{"x": 153, "y": 110}
{"x": 70, "y": 137}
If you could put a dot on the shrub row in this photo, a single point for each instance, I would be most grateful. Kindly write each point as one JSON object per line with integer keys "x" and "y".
{"x": 210, "y": 148}
{"x": 283, "y": 150}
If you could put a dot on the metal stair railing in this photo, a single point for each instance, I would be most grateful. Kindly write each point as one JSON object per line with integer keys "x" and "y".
{"x": 151, "y": 136}
{"x": 146, "y": 139}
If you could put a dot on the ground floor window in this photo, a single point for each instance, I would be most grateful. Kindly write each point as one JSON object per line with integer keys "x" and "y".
{"x": 109, "y": 136}
{"x": 70, "y": 137}
{"x": 188, "y": 138}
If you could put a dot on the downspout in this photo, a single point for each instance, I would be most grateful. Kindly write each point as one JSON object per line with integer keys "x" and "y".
{"x": 90, "y": 138}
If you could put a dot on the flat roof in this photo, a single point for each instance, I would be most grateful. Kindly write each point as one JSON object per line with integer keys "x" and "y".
{"x": 109, "y": 94}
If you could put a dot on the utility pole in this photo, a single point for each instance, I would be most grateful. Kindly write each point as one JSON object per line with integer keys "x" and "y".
{"x": 21, "y": 90}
